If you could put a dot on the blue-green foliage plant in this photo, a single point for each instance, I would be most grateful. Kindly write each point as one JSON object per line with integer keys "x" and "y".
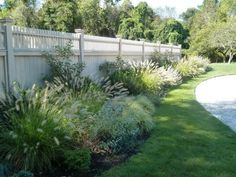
{"x": 4, "y": 170}
{"x": 122, "y": 122}
{"x": 23, "y": 173}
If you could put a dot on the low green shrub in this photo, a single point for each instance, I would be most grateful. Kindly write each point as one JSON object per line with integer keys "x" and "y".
{"x": 138, "y": 77}
{"x": 64, "y": 70}
{"x": 108, "y": 68}
{"x": 78, "y": 160}
{"x": 122, "y": 122}
{"x": 69, "y": 74}
{"x": 146, "y": 77}
{"x": 163, "y": 59}
{"x": 130, "y": 79}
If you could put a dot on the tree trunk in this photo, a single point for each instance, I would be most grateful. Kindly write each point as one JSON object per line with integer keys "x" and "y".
{"x": 224, "y": 59}
{"x": 231, "y": 56}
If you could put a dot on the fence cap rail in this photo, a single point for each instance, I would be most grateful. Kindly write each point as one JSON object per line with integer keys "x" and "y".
{"x": 6, "y": 20}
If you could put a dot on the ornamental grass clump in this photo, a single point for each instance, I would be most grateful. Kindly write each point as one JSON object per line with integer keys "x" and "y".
{"x": 34, "y": 140}
{"x": 143, "y": 77}
{"x": 36, "y": 130}
{"x": 192, "y": 66}
{"x": 170, "y": 76}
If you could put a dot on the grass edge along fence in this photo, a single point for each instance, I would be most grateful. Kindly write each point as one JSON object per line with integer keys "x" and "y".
{"x": 21, "y": 52}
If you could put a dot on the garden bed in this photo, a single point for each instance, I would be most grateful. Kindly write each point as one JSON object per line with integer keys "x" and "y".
{"x": 75, "y": 126}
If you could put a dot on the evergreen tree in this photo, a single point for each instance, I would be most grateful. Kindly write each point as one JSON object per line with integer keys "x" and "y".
{"x": 59, "y": 15}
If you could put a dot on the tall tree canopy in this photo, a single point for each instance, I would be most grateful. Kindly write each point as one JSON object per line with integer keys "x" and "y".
{"x": 22, "y": 11}
{"x": 60, "y": 15}
{"x": 171, "y": 31}
{"x": 138, "y": 22}
{"x": 223, "y": 38}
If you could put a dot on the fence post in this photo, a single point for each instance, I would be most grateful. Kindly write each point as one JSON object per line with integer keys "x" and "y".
{"x": 171, "y": 50}
{"x": 159, "y": 46}
{"x": 120, "y": 45}
{"x": 81, "y": 44}
{"x": 10, "y": 65}
{"x": 143, "y": 49}
{"x": 180, "y": 47}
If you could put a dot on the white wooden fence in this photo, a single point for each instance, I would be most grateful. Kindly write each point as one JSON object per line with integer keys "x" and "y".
{"x": 21, "y": 52}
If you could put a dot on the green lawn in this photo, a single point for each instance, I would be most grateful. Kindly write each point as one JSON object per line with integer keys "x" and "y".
{"x": 187, "y": 140}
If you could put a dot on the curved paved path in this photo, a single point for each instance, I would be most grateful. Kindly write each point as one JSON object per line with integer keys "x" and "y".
{"x": 218, "y": 96}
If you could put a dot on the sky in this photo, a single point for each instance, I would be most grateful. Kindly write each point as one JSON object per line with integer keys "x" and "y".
{"x": 180, "y": 5}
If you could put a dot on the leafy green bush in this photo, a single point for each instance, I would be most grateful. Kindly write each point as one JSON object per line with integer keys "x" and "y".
{"x": 108, "y": 68}
{"x": 129, "y": 78}
{"x": 145, "y": 77}
{"x": 192, "y": 66}
{"x": 64, "y": 70}
{"x": 138, "y": 77}
{"x": 78, "y": 160}
{"x": 122, "y": 122}
{"x": 162, "y": 59}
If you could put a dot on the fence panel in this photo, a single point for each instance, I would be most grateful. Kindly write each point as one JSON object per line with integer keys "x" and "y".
{"x": 92, "y": 63}
{"x": 132, "y": 50}
{"x": 22, "y": 49}
{"x": 104, "y": 44}
{"x": 97, "y": 51}
{"x": 30, "y": 70}
{"x": 165, "y": 48}
{"x": 129, "y": 46}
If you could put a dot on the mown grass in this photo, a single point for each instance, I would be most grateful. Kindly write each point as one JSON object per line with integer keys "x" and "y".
{"x": 187, "y": 141}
